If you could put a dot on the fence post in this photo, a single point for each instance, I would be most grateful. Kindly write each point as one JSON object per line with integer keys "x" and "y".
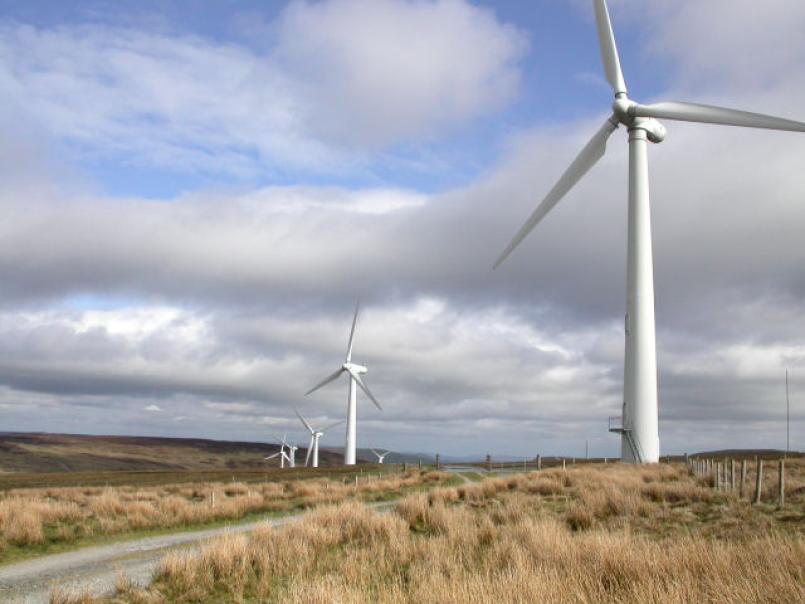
{"x": 438, "y": 464}
{"x": 718, "y": 476}
{"x": 732, "y": 474}
{"x": 563, "y": 464}
{"x": 743, "y": 478}
{"x": 781, "y": 479}
{"x": 488, "y": 462}
{"x": 758, "y": 480}
{"x": 539, "y": 461}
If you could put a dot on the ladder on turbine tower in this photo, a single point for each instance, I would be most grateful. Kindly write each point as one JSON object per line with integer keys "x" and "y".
{"x": 617, "y": 425}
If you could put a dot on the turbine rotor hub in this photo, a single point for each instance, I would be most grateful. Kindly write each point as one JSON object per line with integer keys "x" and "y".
{"x": 621, "y": 108}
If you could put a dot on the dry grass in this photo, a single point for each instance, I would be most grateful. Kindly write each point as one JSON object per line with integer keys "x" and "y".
{"x": 38, "y": 519}
{"x": 592, "y": 534}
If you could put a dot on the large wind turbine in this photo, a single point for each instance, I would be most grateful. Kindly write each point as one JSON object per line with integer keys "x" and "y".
{"x": 315, "y": 435}
{"x": 640, "y": 441}
{"x": 355, "y": 372}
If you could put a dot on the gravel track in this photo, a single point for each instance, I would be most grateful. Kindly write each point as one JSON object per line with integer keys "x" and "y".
{"x": 96, "y": 568}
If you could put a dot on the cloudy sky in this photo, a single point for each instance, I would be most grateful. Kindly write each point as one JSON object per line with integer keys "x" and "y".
{"x": 195, "y": 194}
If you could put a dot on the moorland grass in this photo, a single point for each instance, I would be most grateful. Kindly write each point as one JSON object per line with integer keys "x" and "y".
{"x": 40, "y": 521}
{"x": 605, "y": 533}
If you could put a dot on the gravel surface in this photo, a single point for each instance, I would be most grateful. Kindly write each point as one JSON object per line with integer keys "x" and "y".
{"x": 96, "y": 568}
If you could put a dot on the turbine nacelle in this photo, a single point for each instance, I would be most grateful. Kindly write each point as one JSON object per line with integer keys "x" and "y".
{"x": 355, "y": 368}
{"x": 655, "y": 131}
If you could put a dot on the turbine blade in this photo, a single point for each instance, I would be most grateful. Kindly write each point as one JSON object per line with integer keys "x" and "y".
{"x": 365, "y": 388}
{"x": 272, "y": 456}
{"x": 326, "y": 380}
{"x": 609, "y": 51}
{"x": 333, "y": 425}
{"x": 710, "y": 114}
{"x": 304, "y": 421}
{"x": 352, "y": 331}
{"x": 586, "y": 159}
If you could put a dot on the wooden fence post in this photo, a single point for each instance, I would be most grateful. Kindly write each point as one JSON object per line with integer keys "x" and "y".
{"x": 781, "y": 479}
{"x": 732, "y": 474}
{"x": 758, "y": 480}
{"x": 563, "y": 465}
{"x": 539, "y": 461}
{"x": 743, "y": 478}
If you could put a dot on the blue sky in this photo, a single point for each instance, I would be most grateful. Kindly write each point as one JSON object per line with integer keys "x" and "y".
{"x": 195, "y": 194}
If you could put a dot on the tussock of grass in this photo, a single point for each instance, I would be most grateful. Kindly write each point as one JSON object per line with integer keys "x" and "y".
{"x": 591, "y": 534}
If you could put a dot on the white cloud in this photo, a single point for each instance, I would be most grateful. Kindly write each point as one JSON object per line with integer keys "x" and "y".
{"x": 346, "y": 76}
{"x": 377, "y": 72}
{"x": 153, "y": 408}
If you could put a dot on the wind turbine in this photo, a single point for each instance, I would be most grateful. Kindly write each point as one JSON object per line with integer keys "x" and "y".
{"x": 290, "y": 457}
{"x": 315, "y": 435}
{"x": 281, "y": 453}
{"x": 355, "y": 372}
{"x": 640, "y": 442}
{"x": 291, "y": 451}
{"x": 380, "y": 456}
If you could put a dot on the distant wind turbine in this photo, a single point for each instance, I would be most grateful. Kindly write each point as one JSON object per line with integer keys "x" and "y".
{"x": 315, "y": 435}
{"x": 289, "y": 457}
{"x": 640, "y": 442}
{"x": 281, "y": 454}
{"x": 380, "y": 456}
{"x": 355, "y": 371}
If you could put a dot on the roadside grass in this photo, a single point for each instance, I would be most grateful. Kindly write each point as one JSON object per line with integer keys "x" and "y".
{"x": 606, "y": 533}
{"x": 36, "y": 522}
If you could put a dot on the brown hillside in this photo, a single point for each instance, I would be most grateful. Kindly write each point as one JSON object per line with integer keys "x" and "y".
{"x": 42, "y": 452}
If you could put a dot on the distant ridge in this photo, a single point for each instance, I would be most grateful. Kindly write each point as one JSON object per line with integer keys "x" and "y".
{"x": 46, "y": 452}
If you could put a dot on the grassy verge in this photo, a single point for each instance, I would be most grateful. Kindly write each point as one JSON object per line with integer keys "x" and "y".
{"x": 589, "y": 534}
{"x": 45, "y": 521}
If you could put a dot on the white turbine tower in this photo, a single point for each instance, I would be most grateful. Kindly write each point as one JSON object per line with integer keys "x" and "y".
{"x": 640, "y": 441}
{"x": 315, "y": 435}
{"x": 380, "y": 456}
{"x": 355, "y": 372}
